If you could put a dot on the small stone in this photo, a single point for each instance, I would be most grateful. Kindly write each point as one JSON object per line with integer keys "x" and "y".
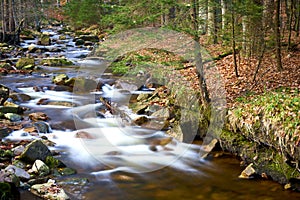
{"x": 206, "y": 149}
{"x": 40, "y": 168}
{"x": 248, "y": 172}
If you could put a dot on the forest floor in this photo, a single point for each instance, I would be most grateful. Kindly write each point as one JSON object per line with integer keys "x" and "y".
{"x": 268, "y": 77}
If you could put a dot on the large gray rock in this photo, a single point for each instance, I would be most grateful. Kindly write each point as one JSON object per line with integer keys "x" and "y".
{"x": 4, "y": 94}
{"x": 19, "y": 172}
{"x": 36, "y": 150}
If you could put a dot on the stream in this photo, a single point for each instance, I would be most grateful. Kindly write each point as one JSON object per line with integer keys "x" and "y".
{"x": 118, "y": 161}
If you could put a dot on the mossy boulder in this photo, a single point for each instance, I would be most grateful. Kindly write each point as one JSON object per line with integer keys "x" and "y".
{"x": 36, "y": 150}
{"x": 56, "y": 62}
{"x": 44, "y": 39}
{"x": 60, "y": 79}
{"x": 22, "y": 62}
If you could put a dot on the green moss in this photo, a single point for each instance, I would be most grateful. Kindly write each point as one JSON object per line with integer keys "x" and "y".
{"x": 145, "y": 60}
{"x": 5, "y": 191}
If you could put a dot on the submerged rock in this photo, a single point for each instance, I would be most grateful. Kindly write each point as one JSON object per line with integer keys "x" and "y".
{"x": 34, "y": 151}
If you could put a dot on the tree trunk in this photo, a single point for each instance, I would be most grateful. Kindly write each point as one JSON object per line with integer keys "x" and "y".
{"x": 233, "y": 41}
{"x": 292, "y": 12}
{"x": 224, "y": 12}
{"x": 245, "y": 29}
{"x": 277, "y": 35}
{"x": 211, "y": 21}
{"x": 198, "y": 57}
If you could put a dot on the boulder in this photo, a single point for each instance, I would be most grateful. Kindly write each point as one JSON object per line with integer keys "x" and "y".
{"x": 92, "y": 38}
{"x": 60, "y": 79}
{"x": 20, "y": 97}
{"x": 13, "y": 117}
{"x": 38, "y": 116}
{"x": 84, "y": 85}
{"x": 19, "y": 172}
{"x": 22, "y": 62}
{"x": 44, "y": 39}
{"x": 14, "y": 108}
{"x": 79, "y": 42}
{"x": 4, "y": 132}
{"x": 4, "y": 94}
{"x": 11, "y": 109}
{"x": 40, "y": 168}
{"x": 36, "y": 150}
{"x": 56, "y": 62}
{"x": 42, "y": 127}
{"x": 49, "y": 190}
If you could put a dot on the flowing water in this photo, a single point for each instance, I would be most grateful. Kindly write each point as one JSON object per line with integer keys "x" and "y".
{"x": 117, "y": 159}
